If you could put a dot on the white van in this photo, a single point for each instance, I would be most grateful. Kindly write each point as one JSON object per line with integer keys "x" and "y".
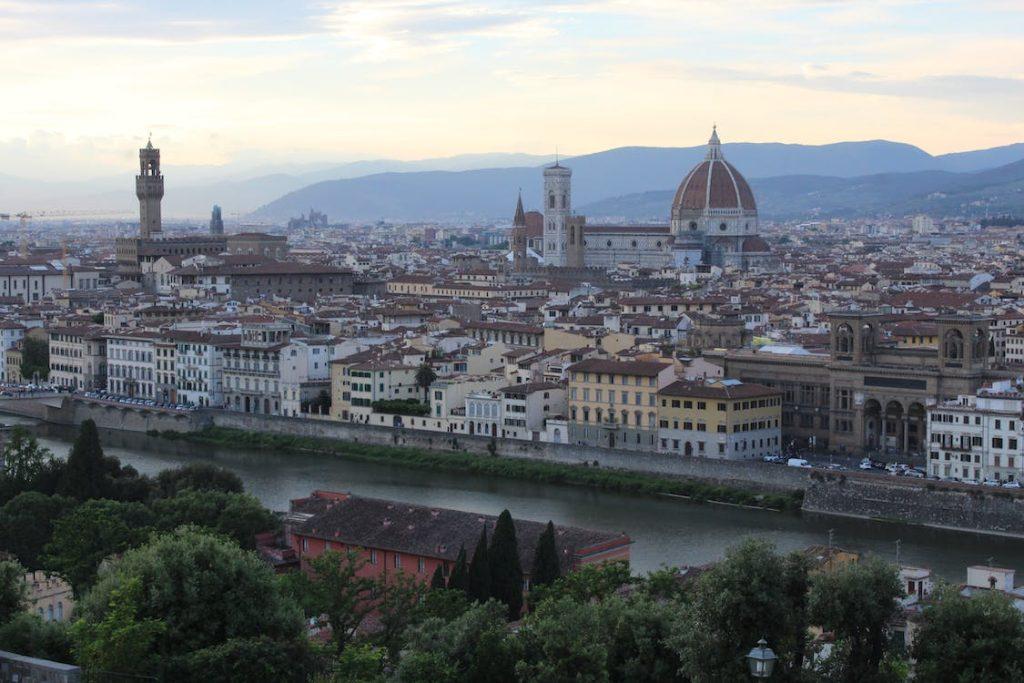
{"x": 798, "y": 462}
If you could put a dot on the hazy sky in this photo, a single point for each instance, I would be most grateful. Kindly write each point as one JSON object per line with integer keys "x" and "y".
{"x": 219, "y": 81}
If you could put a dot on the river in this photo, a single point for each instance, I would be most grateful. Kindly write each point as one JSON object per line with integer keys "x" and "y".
{"x": 665, "y": 531}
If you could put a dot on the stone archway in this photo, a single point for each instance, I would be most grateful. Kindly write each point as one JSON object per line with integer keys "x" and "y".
{"x": 872, "y": 425}
{"x": 894, "y": 430}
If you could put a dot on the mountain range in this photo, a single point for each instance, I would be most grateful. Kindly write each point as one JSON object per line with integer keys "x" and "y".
{"x": 626, "y": 183}
{"x": 635, "y": 183}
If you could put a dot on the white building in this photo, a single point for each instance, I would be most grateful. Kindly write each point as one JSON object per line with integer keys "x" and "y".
{"x": 199, "y": 367}
{"x": 978, "y": 437}
{"x": 305, "y": 372}
{"x": 78, "y": 357}
{"x": 131, "y": 364}
{"x": 527, "y": 407}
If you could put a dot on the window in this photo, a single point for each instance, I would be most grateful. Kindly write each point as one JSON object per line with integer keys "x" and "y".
{"x": 398, "y": 561}
{"x": 373, "y": 556}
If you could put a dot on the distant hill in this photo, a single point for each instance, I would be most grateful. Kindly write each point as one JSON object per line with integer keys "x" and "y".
{"x": 995, "y": 191}
{"x": 604, "y": 180}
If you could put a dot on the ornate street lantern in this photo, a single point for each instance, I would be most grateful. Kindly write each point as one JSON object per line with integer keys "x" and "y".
{"x": 761, "y": 660}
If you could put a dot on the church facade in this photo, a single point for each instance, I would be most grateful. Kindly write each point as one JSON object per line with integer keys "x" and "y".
{"x": 713, "y": 221}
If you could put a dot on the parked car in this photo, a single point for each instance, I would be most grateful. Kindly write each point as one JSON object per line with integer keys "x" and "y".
{"x": 797, "y": 462}
{"x": 991, "y": 482}
{"x": 915, "y": 473}
{"x": 1011, "y": 485}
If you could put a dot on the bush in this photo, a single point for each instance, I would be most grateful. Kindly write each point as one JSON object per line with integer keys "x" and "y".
{"x": 401, "y": 406}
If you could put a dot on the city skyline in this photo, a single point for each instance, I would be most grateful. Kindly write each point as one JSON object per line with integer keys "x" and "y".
{"x": 411, "y": 79}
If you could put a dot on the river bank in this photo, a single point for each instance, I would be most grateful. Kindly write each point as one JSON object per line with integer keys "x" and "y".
{"x": 585, "y": 475}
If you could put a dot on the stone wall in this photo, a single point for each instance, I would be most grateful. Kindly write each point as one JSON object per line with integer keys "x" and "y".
{"x": 979, "y": 508}
{"x": 73, "y": 411}
{"x": 751, "y": 474}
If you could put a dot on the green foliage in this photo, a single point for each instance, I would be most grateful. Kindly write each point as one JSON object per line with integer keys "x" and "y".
{"x": 205, "y": 589}
{"x": 506, "y": 573}
{"x": 359, "y": 664}
{"x": 238, "y": 516}
{"x": 23, "y": 459}
{"x": 443, "y": 604}
{"x": 401, "y": 406}
{"x": 856, "y": 601}
{"x": 546, "y": 568}
{"x": 425, "y": 376}
{"x": 513, "y": 468}
{"x": 339, "y": 592}
{"x": 85, "y": 472}
{"x": 589, "y": 582}
{"x": 29, "y": 635}
{"x": 92, "y": 532}
{"x": 199, "y": 476}
{"x": 479, "y": 575}
{"x": 35, "y": 359}
{"x": 121, "y": 640}
{"x": 562, "y": 642}
{"x": 969, "y": 639}
{"x": 738, "y": 601}
{"x": 398, "y": 601}
{"x": 254, "y": 658}
{"x": 437, "y": 579}
{"x": 26, "y": 524}
{"x": 474, "y": 646}
{"x": 459, "y": 578}
{"x": 13, "y": 591}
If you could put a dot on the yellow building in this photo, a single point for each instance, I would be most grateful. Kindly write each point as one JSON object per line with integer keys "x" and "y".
{"x": 614, "y": 403}
{"x": 719, "y": 419}
{"x": 612, "y": 342}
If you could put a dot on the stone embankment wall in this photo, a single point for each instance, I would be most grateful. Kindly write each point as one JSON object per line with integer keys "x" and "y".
{"x": 975, "y": 508}
{"x": 68, "y": 410}
{"x": 752, "y": 475}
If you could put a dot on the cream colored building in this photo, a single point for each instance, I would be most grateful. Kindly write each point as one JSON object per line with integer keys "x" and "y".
{"x": 615, "y": 403}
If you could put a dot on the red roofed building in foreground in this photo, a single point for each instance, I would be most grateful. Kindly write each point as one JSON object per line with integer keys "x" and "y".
{"x": 392, "y": 536}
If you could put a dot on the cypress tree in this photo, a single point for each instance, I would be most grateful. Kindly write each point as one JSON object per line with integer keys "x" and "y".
{"x": 459, "y": 578}
{"x": 506, "y": 572}
{"x": 84, "y": 472}
{"x": 437, "y": 580}
{"x": 545, "y": 559}
{"x": 479, "y": 580}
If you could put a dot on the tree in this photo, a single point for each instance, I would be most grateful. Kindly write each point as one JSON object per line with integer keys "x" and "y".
{"x": 35, "y": 358}
{"x": 359, "y": 664}
{"x": 546, "y": 568}
{"x": 206, "y": 590}
{"x": 23, "y": 459}
{"x": 27, "y": 634}
{"x": 121, "y": 640}
{"x": 238, "y": 516}
{"x": 425, "y": 376}
{"x": 479, "y": 575}
{"x": 562, "y": 641}
{"x": 437, "y": 579}
{"x": 198, "y": 476}
{"x": 26, "y": 524}
{"x": 92, "y": 532}
{"x": 980, "y": 638}
{"x": 254, "y": 658}
{"x": 737, "y": 602}
{"x": 474, "y": 646}
{"x": 586, "y": 583}
{"x": 339, "y": 592}
{"x": 459, "y": 578}
{"x": 856, "y": 602}
{"x": 397, "y": 606}
{"x": 13, "y": 591}
{"x": 506, "y": 572}
{"x": 84, "y": 474}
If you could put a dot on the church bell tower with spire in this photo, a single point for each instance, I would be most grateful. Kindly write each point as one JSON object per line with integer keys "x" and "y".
{"x": 149, "y": 188}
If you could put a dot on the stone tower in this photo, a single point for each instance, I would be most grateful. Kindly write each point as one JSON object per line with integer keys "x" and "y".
{"x": 216, "y": 222}
{"x": 517, "y": 239}
{"x": 149, "y": 188}
{"x": 557, "y": 209}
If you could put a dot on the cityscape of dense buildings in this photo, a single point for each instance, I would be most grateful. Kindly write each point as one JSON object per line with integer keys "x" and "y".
{"x": 712, "y": 338}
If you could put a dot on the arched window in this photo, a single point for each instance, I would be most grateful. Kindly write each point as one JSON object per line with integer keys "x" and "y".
{"x": 551, "y": 200}
{"x": 979, "y": 348}
{"x": 953, "y": 345}
{"x": 844, "y": 339}
{"x": 867, "y": 338}
{"x": 565, "y": 201}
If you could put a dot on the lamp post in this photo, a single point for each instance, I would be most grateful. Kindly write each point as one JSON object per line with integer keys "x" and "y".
{"x": 761, "y": 660}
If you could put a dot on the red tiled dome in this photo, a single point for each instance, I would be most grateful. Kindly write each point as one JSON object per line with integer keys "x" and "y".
{"x": 714, "y": 184}
{"x": 755, "y": 244}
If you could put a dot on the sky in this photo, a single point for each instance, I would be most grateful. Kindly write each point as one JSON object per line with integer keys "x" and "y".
{"x": 252, "y": 81}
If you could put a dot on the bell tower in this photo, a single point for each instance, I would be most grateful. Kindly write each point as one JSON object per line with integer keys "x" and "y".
{"x": 149, "y": 188}
{"x": 557, "y": 210}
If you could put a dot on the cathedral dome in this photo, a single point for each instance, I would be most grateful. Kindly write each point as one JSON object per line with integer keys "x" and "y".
{"x": 714, "y": 184}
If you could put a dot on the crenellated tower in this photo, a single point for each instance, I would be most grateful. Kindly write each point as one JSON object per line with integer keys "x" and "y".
{"x": 149, "y": 188}
{"x": 557, "y": 210}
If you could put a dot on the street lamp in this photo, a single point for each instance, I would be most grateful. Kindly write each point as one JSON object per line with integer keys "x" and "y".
{"x": 761, "y": 660}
